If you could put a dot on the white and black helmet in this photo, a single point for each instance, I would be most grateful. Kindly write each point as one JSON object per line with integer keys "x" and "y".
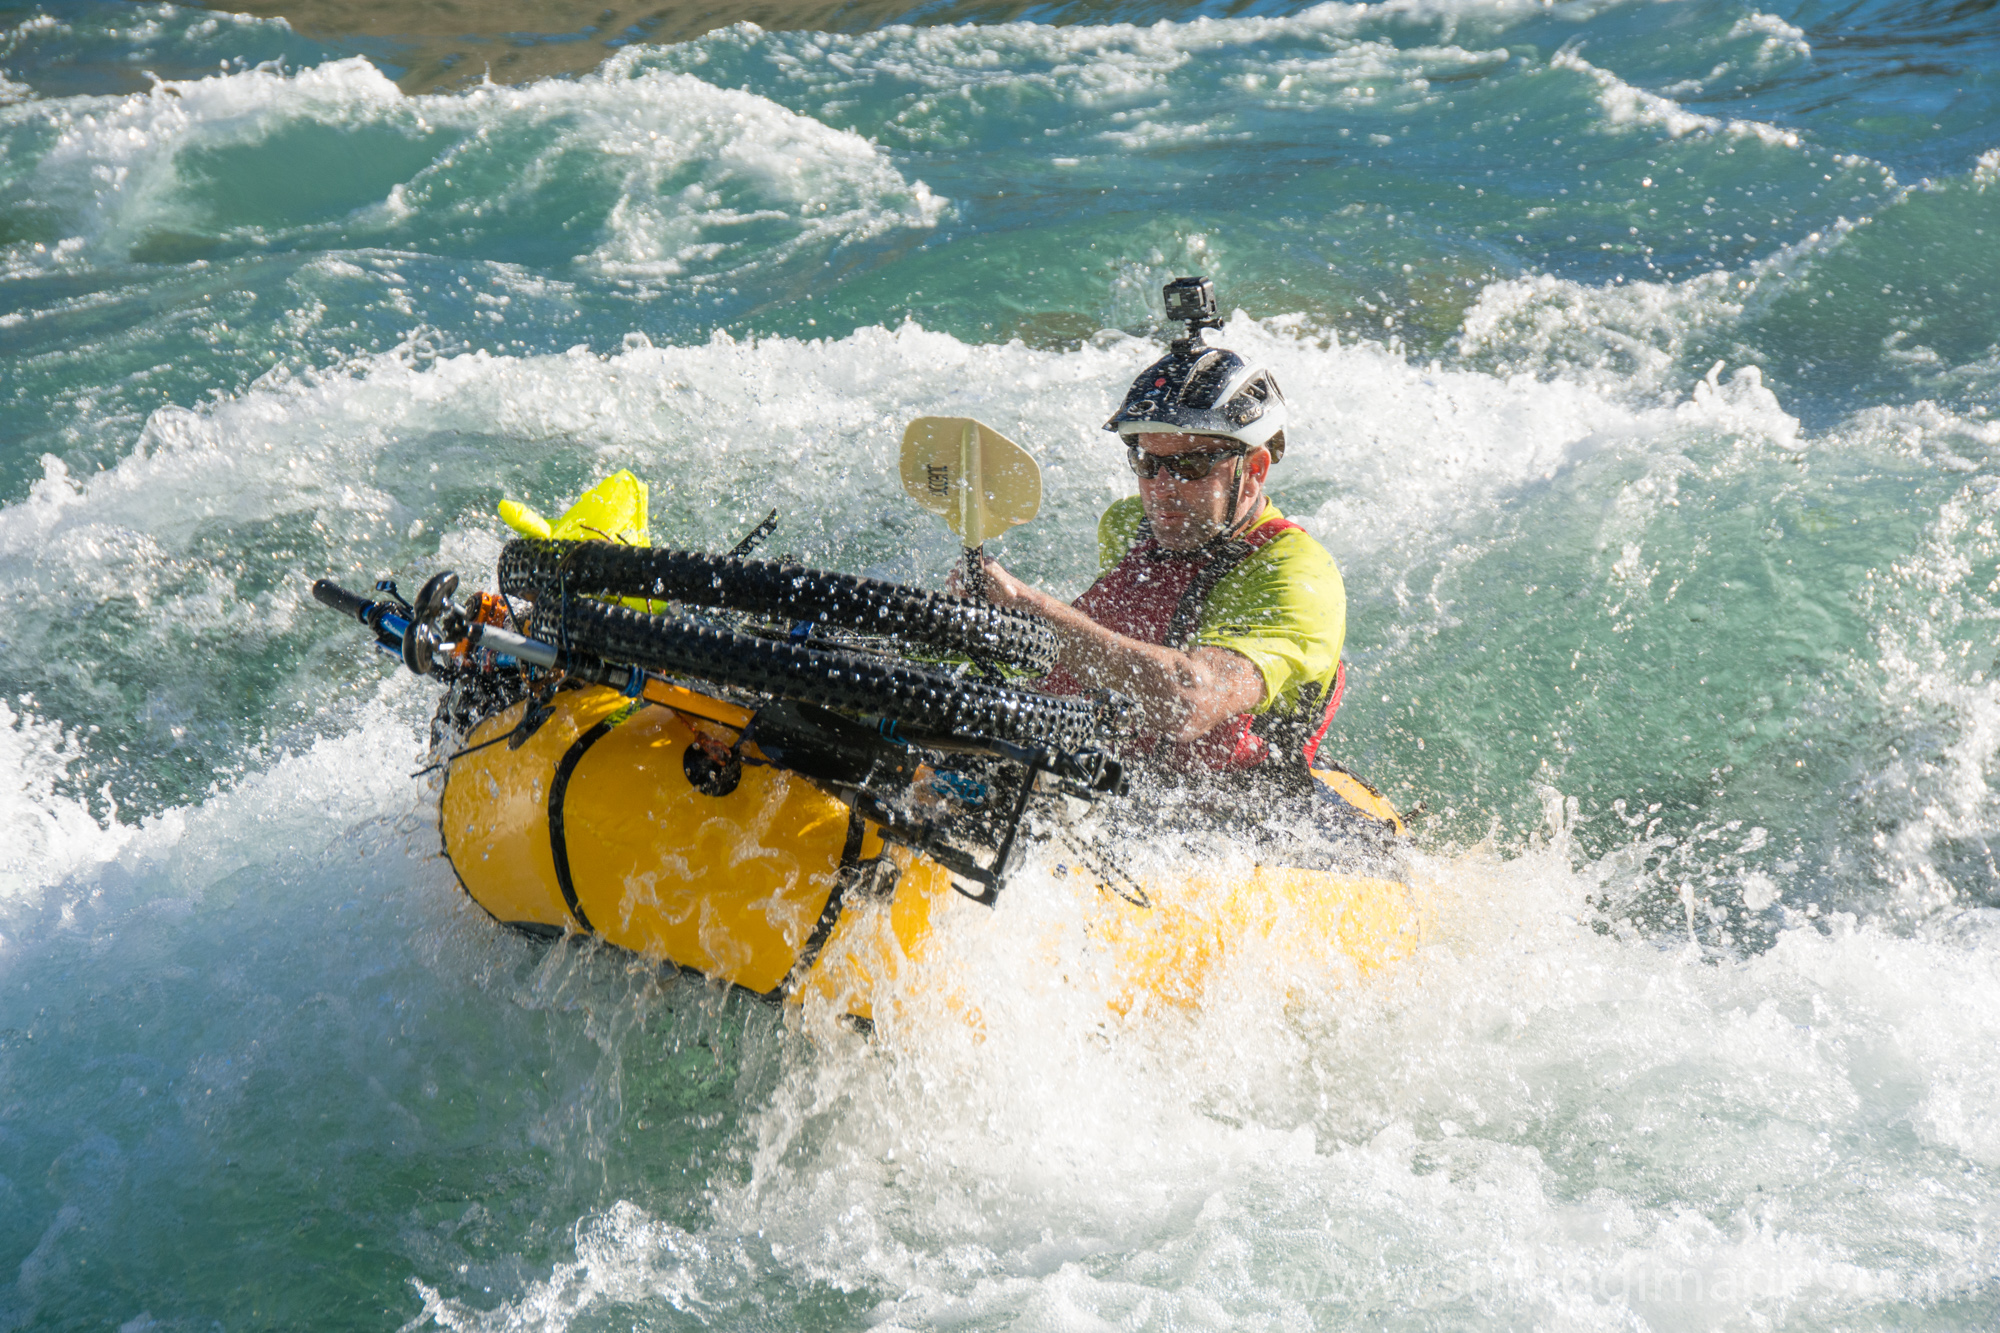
{"x": 1198, "y": 390}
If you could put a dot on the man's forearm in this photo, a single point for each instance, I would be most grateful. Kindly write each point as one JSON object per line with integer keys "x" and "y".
{"x": 1180, "y": 695}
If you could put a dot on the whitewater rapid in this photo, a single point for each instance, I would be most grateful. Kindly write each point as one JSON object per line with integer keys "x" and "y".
{"x": 1645, "y": 391}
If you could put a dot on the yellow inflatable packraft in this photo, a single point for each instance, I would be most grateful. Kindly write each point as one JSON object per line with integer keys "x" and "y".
{"x": 621, "y": 817}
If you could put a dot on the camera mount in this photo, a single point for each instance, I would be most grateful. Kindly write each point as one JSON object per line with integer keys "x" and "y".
{"x": 1192, "y": 302}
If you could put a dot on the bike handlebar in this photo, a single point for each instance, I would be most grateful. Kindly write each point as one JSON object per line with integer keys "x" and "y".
{"x": 328, "y": 593}
{"x": 385, "y": 618}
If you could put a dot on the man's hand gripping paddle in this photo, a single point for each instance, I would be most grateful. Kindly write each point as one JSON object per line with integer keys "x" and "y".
{"x": 979, "y": 481}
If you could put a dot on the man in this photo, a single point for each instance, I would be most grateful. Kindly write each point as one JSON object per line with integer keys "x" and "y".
{"x": 1219, "y": 616}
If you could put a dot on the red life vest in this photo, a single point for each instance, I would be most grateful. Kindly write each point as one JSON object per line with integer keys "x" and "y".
{"x": 1156, "y": 596}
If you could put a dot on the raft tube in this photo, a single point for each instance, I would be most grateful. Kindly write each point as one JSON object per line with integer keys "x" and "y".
{"x": 614, "y": 818}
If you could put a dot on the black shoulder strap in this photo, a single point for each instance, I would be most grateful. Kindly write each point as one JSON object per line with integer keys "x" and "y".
{"x": 1228, "y": 555}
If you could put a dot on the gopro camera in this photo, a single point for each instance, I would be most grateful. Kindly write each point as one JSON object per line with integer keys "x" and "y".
{"x": 1192, "y": 302}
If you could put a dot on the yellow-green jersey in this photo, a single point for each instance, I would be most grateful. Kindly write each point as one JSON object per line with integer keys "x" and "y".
{"x": 1273, "y": 595}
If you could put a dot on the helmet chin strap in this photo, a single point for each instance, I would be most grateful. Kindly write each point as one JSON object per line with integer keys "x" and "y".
{"x": 1236, "y": 523}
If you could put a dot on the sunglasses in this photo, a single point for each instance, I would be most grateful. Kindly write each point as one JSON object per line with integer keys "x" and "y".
{"x": 1185, "y": 467}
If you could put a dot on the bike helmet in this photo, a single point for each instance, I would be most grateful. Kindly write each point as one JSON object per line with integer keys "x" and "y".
{"x": 1200, "y": 390}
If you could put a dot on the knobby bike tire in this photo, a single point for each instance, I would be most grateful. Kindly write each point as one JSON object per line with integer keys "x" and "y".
{"x": 543, "y": 570}
{"x": 918, "y": 696}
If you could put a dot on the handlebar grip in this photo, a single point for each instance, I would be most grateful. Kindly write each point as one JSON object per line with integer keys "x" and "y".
{"x": 328, "y": 593}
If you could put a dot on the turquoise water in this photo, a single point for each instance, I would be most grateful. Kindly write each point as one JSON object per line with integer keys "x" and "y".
{"x": 1647, "y": 358}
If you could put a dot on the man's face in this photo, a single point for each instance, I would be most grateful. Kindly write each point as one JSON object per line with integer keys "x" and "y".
{"x": 1185, "y": 514}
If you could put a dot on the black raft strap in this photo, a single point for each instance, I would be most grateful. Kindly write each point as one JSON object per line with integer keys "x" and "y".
{"x": 558, "y": 790}
{"x": 836, "y": 899}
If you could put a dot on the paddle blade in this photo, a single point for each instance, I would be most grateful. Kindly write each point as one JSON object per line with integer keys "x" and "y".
{"x": 979, "y": 481}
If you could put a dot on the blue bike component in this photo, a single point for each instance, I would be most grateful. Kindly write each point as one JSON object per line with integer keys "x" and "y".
{"x": 957, "y": 784}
